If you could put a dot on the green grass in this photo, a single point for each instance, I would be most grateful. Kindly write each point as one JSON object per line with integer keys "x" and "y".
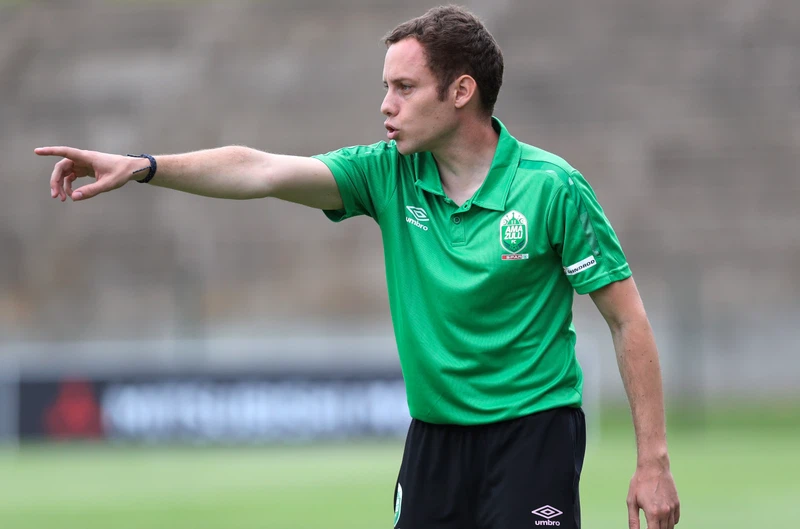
{"x": 731, "y": 475}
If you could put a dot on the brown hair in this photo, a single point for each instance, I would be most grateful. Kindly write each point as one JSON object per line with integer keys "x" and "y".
{"x": 456, "y": 43}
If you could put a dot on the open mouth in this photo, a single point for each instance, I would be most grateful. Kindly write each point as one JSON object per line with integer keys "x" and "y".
{"x": 391, "y": 132}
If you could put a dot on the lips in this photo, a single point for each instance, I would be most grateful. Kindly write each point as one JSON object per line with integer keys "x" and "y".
{"x": 391, "y": 132}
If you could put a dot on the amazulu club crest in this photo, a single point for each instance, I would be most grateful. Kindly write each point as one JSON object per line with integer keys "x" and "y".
{"x": 513, "y": 232}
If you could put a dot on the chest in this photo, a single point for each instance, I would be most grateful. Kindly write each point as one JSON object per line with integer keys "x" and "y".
{"x": 433, "y": 238}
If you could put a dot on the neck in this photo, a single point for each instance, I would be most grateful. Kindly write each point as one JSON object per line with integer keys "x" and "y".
{"x": 464, "y": 161}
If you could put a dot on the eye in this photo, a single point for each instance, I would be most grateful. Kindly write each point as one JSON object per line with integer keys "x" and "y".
{"x": 405, "y": 88}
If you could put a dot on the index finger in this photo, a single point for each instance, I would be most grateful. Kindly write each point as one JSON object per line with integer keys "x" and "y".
{"x": 64, "y": 152}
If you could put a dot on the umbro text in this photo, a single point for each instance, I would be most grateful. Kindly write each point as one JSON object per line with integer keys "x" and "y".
{"x": 417, "y": 224}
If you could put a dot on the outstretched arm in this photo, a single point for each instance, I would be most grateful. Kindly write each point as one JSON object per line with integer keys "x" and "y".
{"x": 228, "y": 172}
{"x": 652, "y": 488}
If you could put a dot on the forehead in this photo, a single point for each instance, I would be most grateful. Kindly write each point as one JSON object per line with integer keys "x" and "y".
{"x": 405, "y": 59}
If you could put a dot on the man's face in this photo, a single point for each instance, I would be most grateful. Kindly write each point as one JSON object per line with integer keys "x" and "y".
{"x": 415, "y": 117}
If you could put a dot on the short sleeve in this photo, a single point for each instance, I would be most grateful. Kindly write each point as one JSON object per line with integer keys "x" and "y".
{"x": 366, "y": 176}
{"x": 591, "y": 254}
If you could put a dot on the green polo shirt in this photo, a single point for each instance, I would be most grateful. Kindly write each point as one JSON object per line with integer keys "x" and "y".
{"x": 481, "y": 294}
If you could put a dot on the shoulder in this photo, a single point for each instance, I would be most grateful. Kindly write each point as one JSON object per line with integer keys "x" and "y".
{"x": 380, "y": 148}
{"x": 545, "y": 168}
{"x": 381, "y": 156}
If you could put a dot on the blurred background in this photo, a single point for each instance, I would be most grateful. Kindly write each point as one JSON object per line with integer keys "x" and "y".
{"x": 233, "y": 363}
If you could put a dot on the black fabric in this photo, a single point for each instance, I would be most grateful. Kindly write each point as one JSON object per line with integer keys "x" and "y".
{"x": 517, "y": 474}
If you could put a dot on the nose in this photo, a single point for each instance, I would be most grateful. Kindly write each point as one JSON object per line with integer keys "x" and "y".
{"x": 388, "y": 107}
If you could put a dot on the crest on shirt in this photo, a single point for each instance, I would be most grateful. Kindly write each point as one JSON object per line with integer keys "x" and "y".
{"x": 513, "y": 236}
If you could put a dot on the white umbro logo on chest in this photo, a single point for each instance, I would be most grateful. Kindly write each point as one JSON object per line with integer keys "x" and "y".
{"x": 419, "y": 215}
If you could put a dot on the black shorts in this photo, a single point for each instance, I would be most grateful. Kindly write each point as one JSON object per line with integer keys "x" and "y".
{"x": 516, "y": 474}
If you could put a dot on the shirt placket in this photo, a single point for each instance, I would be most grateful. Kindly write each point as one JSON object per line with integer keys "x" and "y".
{"x": 458, "y": 221}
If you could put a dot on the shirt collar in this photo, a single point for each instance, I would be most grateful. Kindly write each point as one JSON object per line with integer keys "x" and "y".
{"x": 493, "y": 192}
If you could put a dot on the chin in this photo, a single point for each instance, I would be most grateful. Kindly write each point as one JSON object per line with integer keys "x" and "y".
{"x": 406, "y": 148}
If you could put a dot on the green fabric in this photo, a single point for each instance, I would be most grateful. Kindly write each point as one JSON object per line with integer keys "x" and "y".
{"x": 481, "y": 294}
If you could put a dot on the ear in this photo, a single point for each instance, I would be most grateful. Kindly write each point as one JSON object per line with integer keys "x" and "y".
{"x": 465, "y": 89}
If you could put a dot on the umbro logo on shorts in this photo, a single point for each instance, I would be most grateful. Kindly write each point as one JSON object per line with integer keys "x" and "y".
{"x": 547, "y": 512}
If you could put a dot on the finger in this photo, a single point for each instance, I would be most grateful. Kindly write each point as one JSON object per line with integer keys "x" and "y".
{"x": 61, "y": 169}
{"x": 677, "y": 513}
{"x": 68, "y": 183}
{"x": 55, "y": 180}
{"x": 670, "y": 524}
{"x": 633, "y": 515}
{"x": 653, "y": 521}
{"x": 83, "y": 171}
{"x": 64, "y": 152}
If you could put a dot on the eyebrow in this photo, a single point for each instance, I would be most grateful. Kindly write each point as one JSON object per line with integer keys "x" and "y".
{"x": 399, "y": 80}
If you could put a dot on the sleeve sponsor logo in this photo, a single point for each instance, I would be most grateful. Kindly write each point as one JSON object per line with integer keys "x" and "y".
{"x": 580, "y": 266}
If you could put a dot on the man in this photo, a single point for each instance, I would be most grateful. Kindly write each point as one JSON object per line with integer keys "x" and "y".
{"x": 485, "y": 240}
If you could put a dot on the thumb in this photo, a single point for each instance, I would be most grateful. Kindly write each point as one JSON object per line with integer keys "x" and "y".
{"x": 90, "y": 190}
